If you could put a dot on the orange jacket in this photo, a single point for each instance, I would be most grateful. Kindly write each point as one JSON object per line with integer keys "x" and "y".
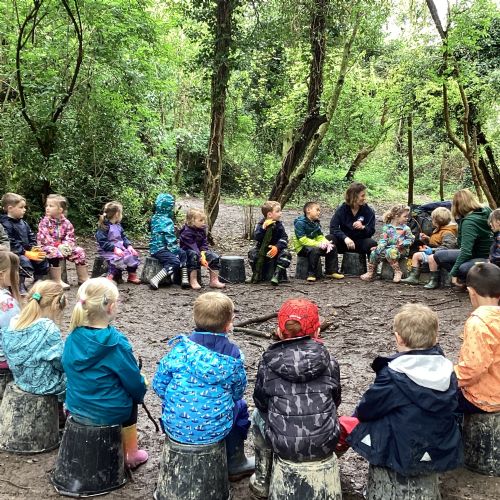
{"x": 478, "y": 369}
{"x": 436, "y": 238}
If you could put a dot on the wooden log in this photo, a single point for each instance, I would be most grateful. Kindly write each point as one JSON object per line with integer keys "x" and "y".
{"x": 251, "y": 331}
{"x": 258, "y": 319}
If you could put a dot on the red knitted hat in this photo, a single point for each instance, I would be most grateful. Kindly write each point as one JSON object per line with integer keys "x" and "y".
{"x": 304, "y": 312}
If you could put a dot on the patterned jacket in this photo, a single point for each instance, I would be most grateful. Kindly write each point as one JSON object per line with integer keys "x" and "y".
{"x": 198, "y": 388}
{"x": 54, "y": 232}
{"x": 193, "y": 238}
{"x": 8, "y": 309}
{"x": 297, "y": 392}
{"x": 308, "y": 233}
{"x": 162, "y": 226}
{"x": 399, "y": 237}
{"x": 20, "y": 234}
{"x": 495, "y": 249}
{"x": 279, "y": 237}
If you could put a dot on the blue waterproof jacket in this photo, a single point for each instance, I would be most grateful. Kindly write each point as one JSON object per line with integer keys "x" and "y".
{"x": 20, "y": 235}
{"x": 103, "y": 379}
{"x": 162, "y": 225}
{"x": 407, "y": 420}
{"x": 198, "y": 388}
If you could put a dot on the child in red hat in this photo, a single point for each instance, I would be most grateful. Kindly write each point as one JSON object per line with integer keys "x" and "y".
{"x": 296, "y": 394}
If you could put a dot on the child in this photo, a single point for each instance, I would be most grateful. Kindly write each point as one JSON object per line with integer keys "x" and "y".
{"x": 394, "y": 242}
{"x": 443, "y": 236}
{"x": 33, "y": 345}
{"x": 4, "y": 240}
{"x": 310, "y": 242}
{"x": 22, "y": 240}
{"x": 270, "y": 234}
{"x": 9, "y": 295}
{"x": 164, "y": 246}
{"x": 114, "y": 246}
{"x": 478, "y": 369}
{"x": 297, "y": 392}
{"x": 407, "y": 422}
{"x": 494, "y": 222}
{"x": 56, "y": 237}
{"x": 193, "y": 240}
{"x": 104, "y": 384}
{"x": 201, "y": 382}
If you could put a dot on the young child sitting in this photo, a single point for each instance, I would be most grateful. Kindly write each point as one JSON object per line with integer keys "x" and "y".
{"x": 310, "y": 242}
{"x": 114, "y": 246}
{"x": 494, "y": 222}
{"x": 104, "y": 384}
{"x": 33, "y": 263}
{"x": 443, "y": 236}
{"x": 4, "y": 240}
{"x": 297, "y": 392}
{"x": 9, "y": 295}
{"x": 407, "y": 422}
{"x": 163, "y": 244}
{"x": 56, "y": 237}
{"x": 394, "y": 243}
{"x": 478, "y": 369}
{"x": 33, "y": 345}
{"x": 201, "y": 382}
{"x": 193, "y": 240}
{"x": 272, "y": 243}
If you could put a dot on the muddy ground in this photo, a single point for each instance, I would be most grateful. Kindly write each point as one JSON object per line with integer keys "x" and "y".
{"x": 362, "y": 328}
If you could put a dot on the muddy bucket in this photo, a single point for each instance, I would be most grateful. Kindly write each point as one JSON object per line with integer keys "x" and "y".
{"x": 318, "y": 480}
{"x": 29, "y": 423}
{"x": 150, "y": 268}
{"x": 5, "y": 378}
{"x": 192, "y": 472}
{"x": 232, "y": 269}
{"x": 90, "y": 460}
{"x": 353, "y": 264}
{"x": 384, "y": 484}
{"x": 481, "y": 437}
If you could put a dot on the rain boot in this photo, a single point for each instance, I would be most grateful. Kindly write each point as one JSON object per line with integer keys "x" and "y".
{"x": 133, "y": 456}
{"x": 133, "y": 278}
{"x": 159, "y": 277}
{"x": 184, "y": 278}
{"x": 193, "y": 279}
{"x": 55, "y": 275}
{"x": 260, "y": 480}
{"x": 397, "y": 271}
{"x": 238, "y": 465}
{"x": 82, "y": 273}
{"x": 368, "y": 276}
{"x": 413, "y": 277}
{"x": 433, "y": 282}
{"x": 275, "y": 280}
{"x": 214, "y": 280}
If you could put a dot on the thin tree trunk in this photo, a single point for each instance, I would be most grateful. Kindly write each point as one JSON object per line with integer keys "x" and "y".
{"x": 411, "y": 172}
{"x": 360, "y": 157}
{"x": 441, "y": 178}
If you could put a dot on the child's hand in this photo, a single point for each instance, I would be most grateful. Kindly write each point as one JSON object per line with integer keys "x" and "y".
{"x": 132, "y": 250}
{"x": 272, "y": 252}
{"x": 203, "y": 259}
{"x": 118, "y": 252}
{"x": 65, "y": 249}
{"x": 36, "y": 255}
{"x": 423, "y": 237}
{"x": 267, "y": 223}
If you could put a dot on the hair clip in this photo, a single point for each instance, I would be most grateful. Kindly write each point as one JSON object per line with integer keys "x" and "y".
{"x": 36, "y": 296}
{"x": 81, "y": 301}
{"x": 62, "y": 301}
{"x": 105, "y": 300}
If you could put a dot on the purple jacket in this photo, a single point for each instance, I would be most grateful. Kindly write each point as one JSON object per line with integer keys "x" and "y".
{"x": 192, "y": 238}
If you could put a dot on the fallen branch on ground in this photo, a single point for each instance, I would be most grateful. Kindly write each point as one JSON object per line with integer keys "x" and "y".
{"x": 251, "y": 331}
{"x": 14, "y": 484}
{"x": 259, "y": 319}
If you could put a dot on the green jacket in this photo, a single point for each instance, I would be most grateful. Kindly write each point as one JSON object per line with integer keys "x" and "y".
{"x": 474, "y": 237}
{"x": 308, "y": 233}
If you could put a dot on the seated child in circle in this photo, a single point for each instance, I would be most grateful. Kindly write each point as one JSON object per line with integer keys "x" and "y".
{"x": 201, "y": 382}
{"x": 193, "y": 240}
{"x": 163, "y": 244}
{"x": 56, "y": 237}
{"x": 104, "y": 384}
{"x": 478, "y": 368}
{"x": 114, "y": 246}
{"x": 394, "y": 243}
{"x": 4, "y": 240}
{"x": 32, "y": 261}
{"x": 407, "y": 421}
{"x": 310, "y": 242}
{"x": 494, "y": 222}
{"x": 297, "y": 390}
{"x": 272, "y": 243}
{"x": 33, "y": 344}
{"x": 9, "y": 295}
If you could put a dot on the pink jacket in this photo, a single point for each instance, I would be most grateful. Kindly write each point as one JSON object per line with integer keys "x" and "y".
{"x": 54, "y": 232}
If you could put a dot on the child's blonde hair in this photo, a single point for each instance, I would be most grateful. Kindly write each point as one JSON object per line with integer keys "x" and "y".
{"x": 494, "y": 216}
{"x": 93, "y": 298}
{"x": 46, "y": 299}
{"x": 194, "y": 213}
{"x": 417, "y": 324}
{"x": 464, "y": 202}
{"x": 9, "y": 262}
{"x": 269, "y": 206}
{"x": 212, "y": 312}
{"x": 11, "y": 200}
{"x": 441, "y": 216}
{"x": 61, "y": 200}
{"x": 394, "y": 211}
{"x": 109, "y": 211}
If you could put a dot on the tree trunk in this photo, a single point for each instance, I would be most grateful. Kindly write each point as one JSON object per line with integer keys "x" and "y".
{"x": 411, "y": 173}
{"x": 360, "y": 157}
{"x": 441, "y": 178}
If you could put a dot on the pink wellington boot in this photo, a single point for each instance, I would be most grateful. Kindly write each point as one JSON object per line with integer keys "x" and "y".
{"x": 133, "y": 456}
{"x": 368, "y": 276}
{"x": 214, "y": 280}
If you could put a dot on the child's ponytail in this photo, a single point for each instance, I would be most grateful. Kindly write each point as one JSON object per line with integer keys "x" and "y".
{"x": 394, "y": 212}
{"x": 109, "y": 211}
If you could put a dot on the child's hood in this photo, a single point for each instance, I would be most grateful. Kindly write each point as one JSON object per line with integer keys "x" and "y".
{"x": 297, "y": 360}
{"x": 490, "y": 316}
{"x": 164, "y": 204}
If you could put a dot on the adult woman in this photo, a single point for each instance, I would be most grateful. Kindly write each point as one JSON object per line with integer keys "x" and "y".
{"x": 474, "y": 239}
{"x": 353, "y": 223}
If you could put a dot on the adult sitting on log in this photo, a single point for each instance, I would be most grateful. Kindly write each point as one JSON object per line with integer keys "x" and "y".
{"x": 353, "y": 223}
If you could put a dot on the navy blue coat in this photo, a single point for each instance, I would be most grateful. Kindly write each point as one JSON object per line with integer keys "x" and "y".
{"x": 407, "y": 420}
{"x": 342, "y": 221}
{"x": 279, "y": 237}
{"x": 20, "y": 234}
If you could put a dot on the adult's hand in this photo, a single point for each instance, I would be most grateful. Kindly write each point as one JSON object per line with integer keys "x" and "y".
{"x": 349, "y": 243}
{"x": 358, "y": 225}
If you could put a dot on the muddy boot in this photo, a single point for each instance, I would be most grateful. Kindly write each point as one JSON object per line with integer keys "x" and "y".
{"x": 133, "y": 278}
{"x": 55, "y": 275}
{"x": 368, "y": 276}
{"x": 133, "y": 456}
{"x": 193, "y": 279}
{"x": 412, "y": 277}
{"x": 397, "y": 271}
{"x": 158, "y": 278}
{"x": 238, "y": 465}
{"x": 260, "y": 480}
{"x": 82, "y": 273}
{"x": 433, "y": 282}
{"x": 214, "y": 280}
{"x": 275, "y": 280}
{"x": 184, "y": 278}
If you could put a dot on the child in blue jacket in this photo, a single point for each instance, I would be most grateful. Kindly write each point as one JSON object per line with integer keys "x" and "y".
{"x": 104, "y": 384}
{"x": 201, "y": 382}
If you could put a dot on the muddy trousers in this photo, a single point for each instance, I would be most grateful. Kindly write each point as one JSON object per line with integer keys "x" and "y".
{"x": 29, "y": 268}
